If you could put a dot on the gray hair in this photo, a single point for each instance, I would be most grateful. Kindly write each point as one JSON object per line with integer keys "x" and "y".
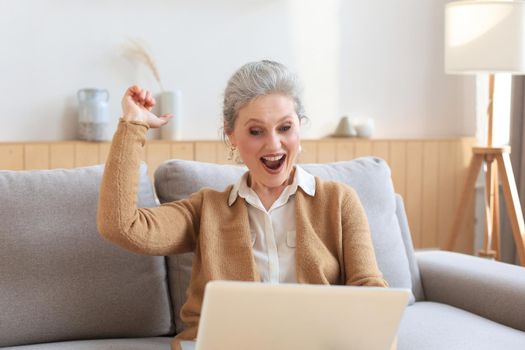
{"x": 256, "y": 79}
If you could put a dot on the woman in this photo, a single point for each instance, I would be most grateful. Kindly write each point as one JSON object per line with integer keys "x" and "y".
{"x": 276, "y": 224}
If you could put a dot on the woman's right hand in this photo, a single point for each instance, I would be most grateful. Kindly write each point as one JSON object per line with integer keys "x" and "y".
{"x": 137, "y": 104}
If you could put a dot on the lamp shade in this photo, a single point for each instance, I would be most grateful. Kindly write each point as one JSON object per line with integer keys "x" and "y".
{"x": 485, "y": 36}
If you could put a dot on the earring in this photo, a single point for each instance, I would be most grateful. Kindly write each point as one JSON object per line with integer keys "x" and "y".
{"x": 231, "y": 154}
{"x": 234, "y": 155}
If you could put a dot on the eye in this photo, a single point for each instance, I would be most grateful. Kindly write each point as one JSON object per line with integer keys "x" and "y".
{"x": 285, "y": 128}
{"x": 255, "y": 132}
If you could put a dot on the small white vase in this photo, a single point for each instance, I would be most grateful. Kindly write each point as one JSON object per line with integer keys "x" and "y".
{"x": 365, "y": 129}
{"x": 171, "y": 102}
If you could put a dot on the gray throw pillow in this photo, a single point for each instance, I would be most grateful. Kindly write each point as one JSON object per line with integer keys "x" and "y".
{"x": 59, "y": 279}
{"x": 369, "y": 176}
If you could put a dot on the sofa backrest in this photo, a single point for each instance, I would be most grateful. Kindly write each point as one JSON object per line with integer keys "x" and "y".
{"x": 59, "y": 279}
{"x": 369, "y": 176}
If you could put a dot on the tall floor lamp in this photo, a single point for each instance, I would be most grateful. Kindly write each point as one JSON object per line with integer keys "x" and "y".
{"x": 488, "y": 36}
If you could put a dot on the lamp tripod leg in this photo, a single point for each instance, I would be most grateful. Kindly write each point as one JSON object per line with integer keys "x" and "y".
{"x": 496, "y": 239}
{"x": 487, "y": 252}
{"x": 514, "y": 211}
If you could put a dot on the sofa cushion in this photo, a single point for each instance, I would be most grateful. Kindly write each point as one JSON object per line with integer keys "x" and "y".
{"x": 157, "y": 343}
{"x": 369, "y": 176}
{"x": 60, "y": 279}
{"x": 435, "y": 326}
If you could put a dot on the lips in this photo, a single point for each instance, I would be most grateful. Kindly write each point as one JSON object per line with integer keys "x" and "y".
{"x": 273, "y": 163}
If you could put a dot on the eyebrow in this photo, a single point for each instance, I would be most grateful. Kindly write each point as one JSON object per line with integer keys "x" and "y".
{"x": 258, "y": 121}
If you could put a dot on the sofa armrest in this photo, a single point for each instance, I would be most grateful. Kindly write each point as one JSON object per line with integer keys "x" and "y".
{"x": 490, "y": 289}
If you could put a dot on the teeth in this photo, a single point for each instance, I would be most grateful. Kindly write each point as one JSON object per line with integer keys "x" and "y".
{"x": 274, "y": 158}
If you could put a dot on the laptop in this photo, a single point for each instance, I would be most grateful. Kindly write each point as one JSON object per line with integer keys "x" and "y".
{"x": 261, "y": 316}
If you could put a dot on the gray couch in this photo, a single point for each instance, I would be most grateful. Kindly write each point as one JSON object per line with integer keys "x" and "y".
{"x": 62, "y": 286}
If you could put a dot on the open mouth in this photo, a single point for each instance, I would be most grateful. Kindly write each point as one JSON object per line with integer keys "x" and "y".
{"x": 273, "y": 163}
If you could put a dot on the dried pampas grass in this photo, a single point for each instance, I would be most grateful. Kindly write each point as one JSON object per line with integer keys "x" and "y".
{"x": 136, "y": 51}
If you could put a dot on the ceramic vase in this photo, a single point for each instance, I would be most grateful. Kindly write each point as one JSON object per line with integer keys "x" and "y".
{"x": 366, "y": 128}
{"x": 345, "y": 128}
{"x": 92, "y": 114}
{"x": 171, "y": 102}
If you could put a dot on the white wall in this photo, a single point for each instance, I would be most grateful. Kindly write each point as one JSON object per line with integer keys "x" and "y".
{"x": 393, "y": 70}
{"x": 379, "y": 59}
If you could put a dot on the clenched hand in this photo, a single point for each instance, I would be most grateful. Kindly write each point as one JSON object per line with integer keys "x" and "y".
{"x": 137, "y": 104}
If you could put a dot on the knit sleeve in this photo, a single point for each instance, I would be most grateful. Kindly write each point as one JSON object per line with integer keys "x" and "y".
{"x": 165, "y": 230}
{"x": 359, "y": 256}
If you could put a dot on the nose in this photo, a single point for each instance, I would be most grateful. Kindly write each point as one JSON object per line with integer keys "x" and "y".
{"x": 274, "y": 141}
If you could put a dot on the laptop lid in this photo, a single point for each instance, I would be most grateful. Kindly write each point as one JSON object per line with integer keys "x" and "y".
{"x": 259, "y": 316}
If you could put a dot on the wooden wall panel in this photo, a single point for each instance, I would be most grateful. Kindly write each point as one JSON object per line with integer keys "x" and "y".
{"x": 206, "y": 152}
{"x": 429, "y": 207}
{"x": 36, "y": 156}
{"x": 345, "y": 150}
{"x": 326, "y": 152}
{"x": 309, "y": 152}
{"x": 86, "y": 154}
{"x": 182, "y": 150}
{"x": 11, "y": 157}
{"x": 447, "y": 189}
{"x": 363, "y": 148}
{"x": 62, "y": 155}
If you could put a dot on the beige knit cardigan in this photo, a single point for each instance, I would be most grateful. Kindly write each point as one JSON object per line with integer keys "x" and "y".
{"x": 333, "y": 237}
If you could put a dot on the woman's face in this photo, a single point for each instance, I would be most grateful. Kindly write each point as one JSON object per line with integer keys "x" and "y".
{"x": 266, "y": 133}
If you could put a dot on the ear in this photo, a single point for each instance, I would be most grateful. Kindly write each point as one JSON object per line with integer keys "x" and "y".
{"x": 231, "y": 138}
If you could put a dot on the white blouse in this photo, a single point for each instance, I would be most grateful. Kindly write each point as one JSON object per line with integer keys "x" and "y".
{"x": 273, "y": 231}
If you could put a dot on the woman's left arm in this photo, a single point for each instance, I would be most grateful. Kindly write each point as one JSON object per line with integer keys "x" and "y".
{"x": 359, "y": 256}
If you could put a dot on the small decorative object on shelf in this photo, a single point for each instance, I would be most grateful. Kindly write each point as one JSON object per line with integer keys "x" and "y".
{"x": 169, "y": 101}
{"x": 365, "y": 128}
{"x": 92, "y": 114}
{"x": 345, "y": 128}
